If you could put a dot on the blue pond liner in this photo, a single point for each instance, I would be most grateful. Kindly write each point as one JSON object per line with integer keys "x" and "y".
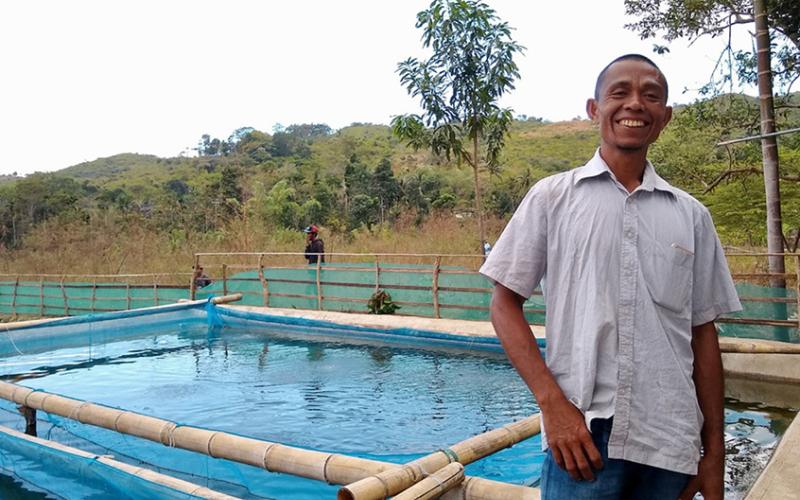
{"x": 110, "y": 335}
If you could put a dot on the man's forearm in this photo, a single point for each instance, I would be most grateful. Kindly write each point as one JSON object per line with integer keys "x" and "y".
{"x": 709, "y": 384}
{"x": 520, "y": 345}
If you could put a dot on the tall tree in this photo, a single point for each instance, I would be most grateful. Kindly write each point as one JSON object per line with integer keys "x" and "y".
{"x": 471, "y": 67}
{"x": 683, "y": 18}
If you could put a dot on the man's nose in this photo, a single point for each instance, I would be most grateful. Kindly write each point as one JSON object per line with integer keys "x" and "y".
{"x": 634, "y": 102}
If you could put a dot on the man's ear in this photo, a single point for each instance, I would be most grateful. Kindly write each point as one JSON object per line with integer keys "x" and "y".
{"x": 668, "y": 116}
{"x": 591, "y": 109}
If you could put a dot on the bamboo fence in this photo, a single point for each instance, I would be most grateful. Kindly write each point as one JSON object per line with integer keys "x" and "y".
{"x": 329, "y": 467}
{"x": 377, "y": 263}
{"x": 125, "y": 291}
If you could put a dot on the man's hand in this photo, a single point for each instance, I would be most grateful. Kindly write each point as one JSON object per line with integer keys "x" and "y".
{"x": 708, "y": 481}
{"x": 569, "y": 440}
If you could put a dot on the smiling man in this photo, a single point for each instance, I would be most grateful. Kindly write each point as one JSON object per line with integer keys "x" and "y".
{"x": 634, "y": 275}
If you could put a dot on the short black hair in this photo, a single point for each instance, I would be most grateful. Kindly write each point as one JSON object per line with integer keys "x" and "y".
{"x": 630, "y": 57}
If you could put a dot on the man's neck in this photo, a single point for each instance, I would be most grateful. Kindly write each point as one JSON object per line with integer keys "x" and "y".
{"x": 627, "y": 165}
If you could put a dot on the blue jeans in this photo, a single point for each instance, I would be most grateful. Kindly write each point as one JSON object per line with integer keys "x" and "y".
{"x": 617, "y": 480}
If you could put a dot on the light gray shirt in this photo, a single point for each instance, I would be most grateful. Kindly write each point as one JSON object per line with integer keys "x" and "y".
{"x": 626, "y": 276}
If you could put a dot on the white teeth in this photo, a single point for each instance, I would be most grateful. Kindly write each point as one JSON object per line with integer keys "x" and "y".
{"x": 632, "y": 123}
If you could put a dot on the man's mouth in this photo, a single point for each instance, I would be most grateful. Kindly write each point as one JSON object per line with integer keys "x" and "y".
{"x": 632, "y": 123}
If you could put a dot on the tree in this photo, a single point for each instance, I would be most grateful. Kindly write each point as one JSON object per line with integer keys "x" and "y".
{"x": 692, "y": 20}
{"x": 384, "y": 187}
{"x": 471, "y": 67}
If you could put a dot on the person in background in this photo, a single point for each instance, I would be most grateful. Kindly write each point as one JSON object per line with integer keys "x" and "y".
{"x": 315, "y": 247}
{"x": 201, "y": 280}
{"x": 631, "y": 390}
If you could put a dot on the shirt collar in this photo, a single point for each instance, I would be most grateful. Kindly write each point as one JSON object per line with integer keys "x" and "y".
{"x": 650, "y": 180}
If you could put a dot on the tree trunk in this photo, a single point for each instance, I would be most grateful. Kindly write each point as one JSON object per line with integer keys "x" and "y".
{"x": 478, "y": 207}
{"x": 769, "y": 147}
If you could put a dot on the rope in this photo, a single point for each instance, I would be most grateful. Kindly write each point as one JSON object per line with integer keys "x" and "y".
{"x": 266, "y": 456}
{"x": 75, "y": 414}
{"x": 325, "y": 468}
{"x": 208, "y": 445}
{"x": 451, "y": 455}
{"x": 10, "y": 339}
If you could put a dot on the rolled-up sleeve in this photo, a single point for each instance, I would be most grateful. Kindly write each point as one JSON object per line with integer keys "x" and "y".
{"x": 713, "y": 292}
{"x": 519, "y": 258}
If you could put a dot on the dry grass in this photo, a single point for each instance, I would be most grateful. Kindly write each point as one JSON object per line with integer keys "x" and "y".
{"x": 107, "y": 248}
{"x": 104, "y": 247}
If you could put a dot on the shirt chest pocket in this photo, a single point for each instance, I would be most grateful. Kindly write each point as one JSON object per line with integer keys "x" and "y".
{"x": 667, "y": 271}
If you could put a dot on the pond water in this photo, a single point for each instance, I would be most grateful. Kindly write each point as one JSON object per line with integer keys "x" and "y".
{"x": 366, "y": 398}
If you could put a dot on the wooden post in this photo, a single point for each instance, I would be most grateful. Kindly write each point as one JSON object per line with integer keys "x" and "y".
{"x": 155, "y": 289}
{"x": 94, "y": 293}
{"x": 263, "y": 279}
{"x": 14, "y": 297}
{"x": 64, "y": 295}
{"x": 319, "y": 284}
{"x": 436, "y": 266}
{"x": 127, "y": 295}
{"x": 30, "y": 419}
{"x": 193, "y": 285}
{"x": 797, "y": 287}
{"x": 41, "y": 296}
{"x": 224, "y": 279}
{"x": 377, "y": 274}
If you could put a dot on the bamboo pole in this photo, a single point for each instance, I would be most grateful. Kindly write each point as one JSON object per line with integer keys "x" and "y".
{"x": 319, "y": 283}
{"x": 797, "y": 287}
{"x": 436, "y": 266}
{"x": 128, "y": 295}
{"x": 14, "y": 298}
{"x": 263, "y": 280}
{"x": 193, "y": 284}
{"x": 433, "y": 486}
{"x": 274, "y": 457}
{"x": 393, "y": 481}
{"x": 41, "y": 296}
{"x": 94, "y": 293}
{"x": 377, "y": 274}
{"x": 226, "y": 298}
{"x": 224, "y": 279}
{"x": 155, "y": 289}
{"x": 64, "y": 295}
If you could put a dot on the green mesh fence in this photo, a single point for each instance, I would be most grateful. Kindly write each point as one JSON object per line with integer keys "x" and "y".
{"x": 456, "y": 293}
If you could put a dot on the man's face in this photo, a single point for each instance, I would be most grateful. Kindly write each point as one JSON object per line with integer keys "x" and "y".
{"x": 631, "y": 107}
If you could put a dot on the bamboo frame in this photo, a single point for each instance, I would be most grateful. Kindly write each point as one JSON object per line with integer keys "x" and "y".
{"x": 433, "y": 486}
{"x": 329, "y": 467}
{"x": 393, "y": 481}
{"x": 155, "y": 291}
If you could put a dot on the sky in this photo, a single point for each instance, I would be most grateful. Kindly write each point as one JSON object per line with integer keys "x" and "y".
{"x": 87, "y": 79}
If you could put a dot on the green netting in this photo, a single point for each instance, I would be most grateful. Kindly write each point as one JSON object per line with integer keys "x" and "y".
{"x": 345, "y": 287}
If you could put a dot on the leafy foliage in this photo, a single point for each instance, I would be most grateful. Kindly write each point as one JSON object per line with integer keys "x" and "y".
{"x": 470, "y": 68}
{"x": 381, "y": 303}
